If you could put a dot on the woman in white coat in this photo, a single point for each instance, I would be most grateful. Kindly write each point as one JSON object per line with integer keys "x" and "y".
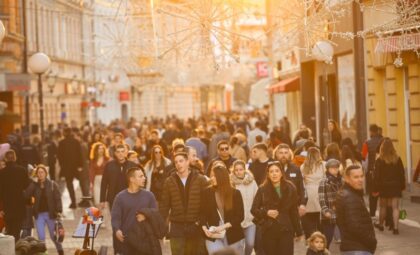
{"x": 243, "y": 180}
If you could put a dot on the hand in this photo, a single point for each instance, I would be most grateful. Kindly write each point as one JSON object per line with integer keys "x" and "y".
{"x": 302, "y": 210}
{"x": 272, "y": 213}
{"x": 140, "y": 217}
{"x": 119, "y": 235}
{"x": 299, "y": 238}
{"x": 328, "y": 215}
{"x": 375, "y": 194}
{"x": 220, "y": 228}
{"x": 79, "y": 169}
{"x": 206, "y": 231}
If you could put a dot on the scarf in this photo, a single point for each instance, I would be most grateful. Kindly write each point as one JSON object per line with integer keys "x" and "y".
{"x": 248, "y": 179}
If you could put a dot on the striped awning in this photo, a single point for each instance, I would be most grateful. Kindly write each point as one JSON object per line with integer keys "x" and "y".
{"x": 398, "y": 43}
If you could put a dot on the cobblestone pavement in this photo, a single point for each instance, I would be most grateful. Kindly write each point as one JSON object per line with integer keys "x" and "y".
{"x": 407, "y": 243}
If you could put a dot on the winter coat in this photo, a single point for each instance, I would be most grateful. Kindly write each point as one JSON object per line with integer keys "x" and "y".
{"x": 13, "y": 182}
{"x": 182, "y": 204}
{"x": 294, "y": 175}
{"x": 327, "y": 193}
{"x": 53, "y": 196}
{"x": 155, "y": 180}
{"x": 143, "y": 237}
{"x": 209, "y": 215}
{"x": 312, "y": 252}
{"x": 354, "y": 222}
{"x": 267, "y": 199}
{"x": 114, "y": 180}
{"x": 389, "y": 179}
{"x": 248, "y": 188}
{"x": 312, "y": 182}
{"x": 69, "y": 156}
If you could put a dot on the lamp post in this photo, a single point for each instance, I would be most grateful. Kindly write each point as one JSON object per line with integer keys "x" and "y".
{"x": 2, "y": 31}
{"x": 39, "y": 63}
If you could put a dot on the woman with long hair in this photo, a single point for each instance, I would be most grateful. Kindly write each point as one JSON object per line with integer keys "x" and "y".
{"x": 99, "y": 157}
{"x": 348, "y": 158}
{"x": 155, "y": 171}
{"x": 47, "y": 204}
{"x": 275, "y": 211}
{"x": 332, "y": 151}
{"x": 243, "y": 180}
{"x": 334, "y": 131}
{"x": 313, "y": 171}
{"x": 222, "y": 211}
{"x": 389, "y": 182}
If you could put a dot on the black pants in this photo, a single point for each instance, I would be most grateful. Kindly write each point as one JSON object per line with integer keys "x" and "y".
{"x": 328, "y": 230}
{"x": 373, "y": 201}
{"x": 70, "y": 187}
{"x": 13, "y": 227}
{"x": 282, "y": 244}
{"x": 311, "y": 223}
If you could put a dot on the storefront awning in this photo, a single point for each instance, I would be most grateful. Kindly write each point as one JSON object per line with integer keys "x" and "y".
{"x": 283, "y": 86}
{"x": 398, "y": 43}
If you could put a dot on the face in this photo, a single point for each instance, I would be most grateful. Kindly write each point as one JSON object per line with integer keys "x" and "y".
{"x": 118, "y": 139}
{"x": 101, "y": 150}
{"x": 181, "y": 164}
{"x": 158, "y": 153}
{"x": 41, "y": 175}
{"x": 133, "y": 158}
{"x": 138, "y": 179}
{"x": 255, "y": 153}
{"x": 154, "y": 137}
{"x": 274, "y": 174}
{"x": 356, "y": 179}
{"x": 2, "y": 164}
{"x": 319, "y": 244}
{"x": 283, "y": 155}
{"x": 223, "y": 150}
{"x": 330, "y": 126}
{"x": 192, "y": 156}
{"x": 213, "y": 178}
{"x": 239, "y": 171}
{"x": 120, "y": 154}
{"x": 333, "y": 170}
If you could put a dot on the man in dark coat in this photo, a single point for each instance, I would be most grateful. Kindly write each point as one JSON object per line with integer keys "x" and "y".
{"x": 293, "y": 174}
{"x": 13, "y": 182}
{"x": 70, "y": 159}
{"x": 353, "y": 220}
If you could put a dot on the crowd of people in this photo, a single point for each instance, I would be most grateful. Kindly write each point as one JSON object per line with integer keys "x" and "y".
{"x": 206, "y": 184}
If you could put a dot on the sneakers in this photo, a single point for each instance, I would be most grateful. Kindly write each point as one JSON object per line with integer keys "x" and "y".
{"x": 379, "y": 226}
{"x": 84, "y": 203}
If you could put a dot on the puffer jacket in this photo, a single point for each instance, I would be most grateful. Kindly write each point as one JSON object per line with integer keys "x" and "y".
{"x": 53, "y": 195}
{"x": 354, "y": 222}
{"x": 143, "y": 237}
{"x": 182, "y": 204}
{"x": 267, "y": 199}
{"x": 248, "y": 188}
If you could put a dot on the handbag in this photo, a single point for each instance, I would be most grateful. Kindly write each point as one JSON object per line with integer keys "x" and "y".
{"x": 59, "y": 231}
{"x": 217, "y": 235}
{"x": 403, "y": 212}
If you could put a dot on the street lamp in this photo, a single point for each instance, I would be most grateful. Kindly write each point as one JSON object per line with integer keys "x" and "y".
{"x": 2, "y": 31}
{"x": 39, "y": 63}
{"x": 51, "y": 80}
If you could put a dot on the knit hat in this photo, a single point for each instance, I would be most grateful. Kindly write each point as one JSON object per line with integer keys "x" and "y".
{"x": 332, "y": 163}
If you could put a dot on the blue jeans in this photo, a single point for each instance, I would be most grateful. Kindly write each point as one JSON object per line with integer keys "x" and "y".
{"x": 356, "y": 253}
{"x": 42, "y": 220}
{"x": 249, "y": 233}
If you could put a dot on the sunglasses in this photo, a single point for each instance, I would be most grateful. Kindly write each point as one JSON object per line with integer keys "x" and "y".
{"x": 224, "y": 148}
{"x": 158, "y": 152}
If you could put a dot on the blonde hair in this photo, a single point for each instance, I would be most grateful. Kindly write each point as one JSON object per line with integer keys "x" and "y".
{"x": 312, "y": 161}
{"x": 41, "y": 166}
{"x": 313, "y": 237}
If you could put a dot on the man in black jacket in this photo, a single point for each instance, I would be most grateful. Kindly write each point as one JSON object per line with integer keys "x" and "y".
{"x": 353, "y": 220}
{"x": 293, "y": 174}
{"x": 113, "y": 179}
{"x": 13, "y": 182}
{"x": 70, "y": 159}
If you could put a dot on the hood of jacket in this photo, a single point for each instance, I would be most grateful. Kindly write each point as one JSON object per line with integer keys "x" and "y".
{"x": 248, "y": 178}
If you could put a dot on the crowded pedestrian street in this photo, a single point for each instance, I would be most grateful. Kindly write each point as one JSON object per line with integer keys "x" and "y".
{"x": 209, "y": 127}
